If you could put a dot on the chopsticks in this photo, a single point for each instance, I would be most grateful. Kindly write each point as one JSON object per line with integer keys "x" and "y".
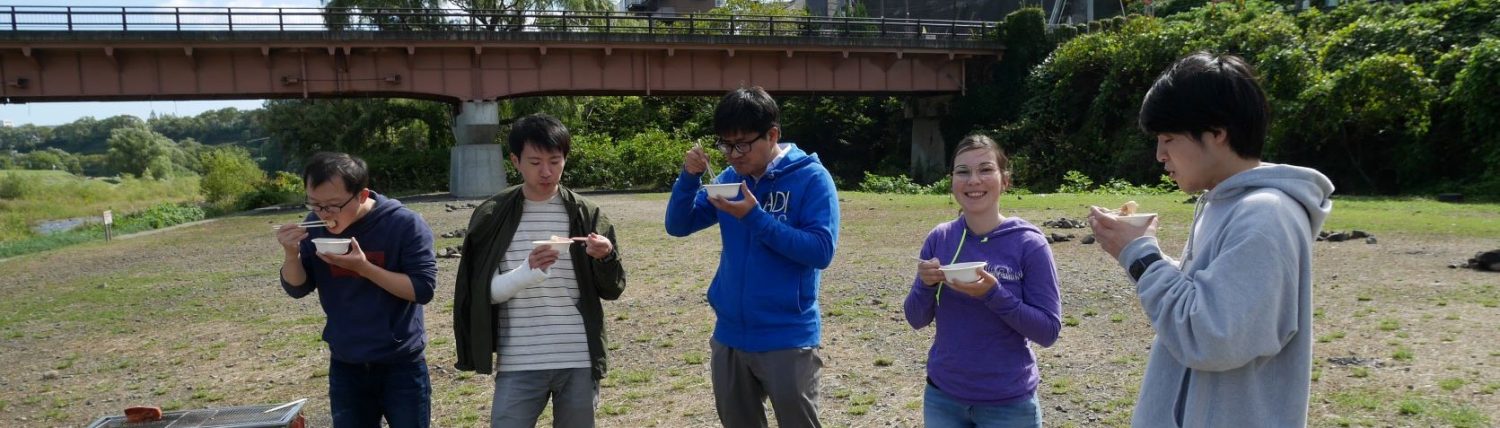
{"x": 708, "y": 164}
{"x": 306, "y": 224}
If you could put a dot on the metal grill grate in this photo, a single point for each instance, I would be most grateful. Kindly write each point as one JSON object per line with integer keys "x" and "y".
{"x": 228, "y": 417}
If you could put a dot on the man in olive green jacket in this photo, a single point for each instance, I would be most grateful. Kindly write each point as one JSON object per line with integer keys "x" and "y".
{"x": 537, "y": 306}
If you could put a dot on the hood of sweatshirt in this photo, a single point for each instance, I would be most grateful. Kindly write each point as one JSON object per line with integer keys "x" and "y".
{"x": 1305, "y": 185}
{"x": 1008, "y": 226}
{"x": 791, "y": 161}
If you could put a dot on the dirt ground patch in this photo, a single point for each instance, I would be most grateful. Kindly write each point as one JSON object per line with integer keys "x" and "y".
{"x": 193, "y": 318}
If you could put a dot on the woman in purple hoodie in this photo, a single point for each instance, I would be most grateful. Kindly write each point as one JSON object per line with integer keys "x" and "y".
{"x": 981, "y": 371}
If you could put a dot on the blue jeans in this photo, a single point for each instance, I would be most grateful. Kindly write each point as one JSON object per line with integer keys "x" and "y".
{"x": 941, "y": 411}
{"x": 360, "y": 394}
{"x": 521, "y": 396}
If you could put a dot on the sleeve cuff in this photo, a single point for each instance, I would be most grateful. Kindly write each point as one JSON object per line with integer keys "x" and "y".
{"x": 1137, "y": 249}
{"x": 1001, "y": 301}
{"x": 687, "y": 181}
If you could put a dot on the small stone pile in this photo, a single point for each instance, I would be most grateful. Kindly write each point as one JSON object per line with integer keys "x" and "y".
{"x": 456, "y": 233}
{"x": 1482, "y": 261}
{"x": 1058, "y": 237}
{"x": 1341, "y": 236}
{"x": 1064, "y": 223}
{"x": 451, "y": 207}
{"x": 451, "y": 252}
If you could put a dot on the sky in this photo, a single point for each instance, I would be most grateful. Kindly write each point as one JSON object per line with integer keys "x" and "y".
{"x": 57, "y": 113}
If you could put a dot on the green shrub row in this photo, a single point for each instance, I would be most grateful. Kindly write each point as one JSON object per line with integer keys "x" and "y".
{"x": 1382, "y": 97}
{"x": 156, "y": 217}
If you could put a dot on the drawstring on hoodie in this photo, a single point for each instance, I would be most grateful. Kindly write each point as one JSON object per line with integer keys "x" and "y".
{"x": 939, "y": 297}
{"x": 1192, "y": 230}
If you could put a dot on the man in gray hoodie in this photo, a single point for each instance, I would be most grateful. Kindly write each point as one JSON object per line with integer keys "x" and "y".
{"x": 1233, "y": 315}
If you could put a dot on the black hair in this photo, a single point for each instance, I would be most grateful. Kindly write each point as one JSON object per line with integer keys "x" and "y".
{"x": 541, "y": 130}
{"x": 746, "y": 110}
{"x": 1204, "y": 91}
{"x": 324, "y": 166}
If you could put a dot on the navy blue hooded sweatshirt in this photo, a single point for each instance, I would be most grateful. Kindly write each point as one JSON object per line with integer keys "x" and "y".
{"x": 366, "y": 324}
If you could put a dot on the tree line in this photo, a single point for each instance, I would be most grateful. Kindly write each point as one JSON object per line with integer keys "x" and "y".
{"x": 1383, "y": 98}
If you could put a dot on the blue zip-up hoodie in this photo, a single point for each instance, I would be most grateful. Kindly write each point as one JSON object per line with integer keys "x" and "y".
{"x": 366, "y": 324}
{"x": 765, "y": 292}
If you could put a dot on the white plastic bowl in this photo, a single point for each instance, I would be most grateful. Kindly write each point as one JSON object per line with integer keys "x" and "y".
{"x": 965, "y": 272}
{"x": 1137, "y": 220}
{"x": 332, "y": 245}
{"x": 725, "y": 191}
{"x": 560, "y": 246}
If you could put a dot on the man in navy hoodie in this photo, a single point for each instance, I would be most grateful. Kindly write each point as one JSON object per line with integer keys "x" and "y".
{"x": 373, "y": 294}
{"x": 778, "y": 235}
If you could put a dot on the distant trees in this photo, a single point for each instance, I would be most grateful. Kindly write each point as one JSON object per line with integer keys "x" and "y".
{"x": 1384, "y": 98}
{"x": 140, "y": 152}
{"x": 229, "y": 173}
{"x": 83, "y": 146}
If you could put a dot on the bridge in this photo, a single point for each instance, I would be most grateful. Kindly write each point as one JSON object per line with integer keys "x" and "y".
{"x": 471, "y": 58}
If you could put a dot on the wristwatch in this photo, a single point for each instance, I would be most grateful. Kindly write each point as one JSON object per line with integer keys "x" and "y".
{"x": 1138, "y": 267}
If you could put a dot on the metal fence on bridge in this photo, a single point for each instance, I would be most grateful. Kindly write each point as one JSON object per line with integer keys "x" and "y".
{"x": 100, "y": 18}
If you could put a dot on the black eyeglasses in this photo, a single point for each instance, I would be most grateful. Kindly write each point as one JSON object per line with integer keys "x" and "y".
{"x": 741, "y": 147}
{"x": 333, "y": 209}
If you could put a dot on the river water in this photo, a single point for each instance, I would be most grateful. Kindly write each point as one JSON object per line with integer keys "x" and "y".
{"x": 49, "y": 227}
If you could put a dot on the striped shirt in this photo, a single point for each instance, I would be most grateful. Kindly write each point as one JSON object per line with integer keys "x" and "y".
{"x": 540, "y": 328}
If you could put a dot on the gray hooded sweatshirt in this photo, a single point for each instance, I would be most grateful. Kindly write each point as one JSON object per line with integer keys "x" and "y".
{"x": 1233, "y": 317}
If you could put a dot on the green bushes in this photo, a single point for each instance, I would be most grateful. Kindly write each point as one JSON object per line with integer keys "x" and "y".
{"x": 902, "y": 185}
{"x": 281, "y": 189}
{"x": 229, "y": 175}
{"x": 52, "y": 195}
{"x": 1383, "y": 98}
{"x": 13, "y": 186}
{"x": 647, "y": 160}
{"x": 155, "y": 217}
{"x": 1475, "y": 96}
{"x": 159, "y": 216}
{"x": 139, "y": 151}
{"x": 422, "y": 170}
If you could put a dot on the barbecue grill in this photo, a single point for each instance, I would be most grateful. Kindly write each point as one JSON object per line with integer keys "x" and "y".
{"x": 228, "y": 417}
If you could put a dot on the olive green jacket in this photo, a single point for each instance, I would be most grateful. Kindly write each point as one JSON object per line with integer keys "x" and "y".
{"x": 490, "y": 231}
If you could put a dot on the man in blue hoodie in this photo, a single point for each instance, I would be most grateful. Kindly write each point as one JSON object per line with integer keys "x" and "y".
{"x": 778, "y": 233}
{"x": 373, "y": 294}
{"x": 1233, "y": 314}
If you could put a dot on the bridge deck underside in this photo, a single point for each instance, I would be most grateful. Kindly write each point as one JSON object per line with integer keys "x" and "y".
{"x": 143, "y": 71}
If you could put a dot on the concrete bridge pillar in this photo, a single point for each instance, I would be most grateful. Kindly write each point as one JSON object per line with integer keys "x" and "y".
{"x": 476, "y": 167}
{"x": 929, "y": 160}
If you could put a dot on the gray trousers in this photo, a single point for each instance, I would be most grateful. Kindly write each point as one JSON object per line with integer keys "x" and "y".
{"x": 521, "y": 396}
{"x": 743, "y": 380}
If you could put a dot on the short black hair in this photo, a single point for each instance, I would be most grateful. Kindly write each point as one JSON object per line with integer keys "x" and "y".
{"x": 1204, "y": 91}
{"x": 746, "y": 110}
{"x": 324, "y": 166}
{"x": 541, "y": 130}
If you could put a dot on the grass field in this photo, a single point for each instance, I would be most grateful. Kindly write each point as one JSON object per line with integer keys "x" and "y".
{"x": 193, "y": 317}
{"x": 27, "y": 197}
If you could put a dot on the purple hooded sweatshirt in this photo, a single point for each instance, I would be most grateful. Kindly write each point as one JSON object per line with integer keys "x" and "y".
{"x": 980, "y": 355}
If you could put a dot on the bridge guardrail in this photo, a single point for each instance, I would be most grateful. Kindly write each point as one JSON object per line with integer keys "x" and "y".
{"x": 179, "y": 19}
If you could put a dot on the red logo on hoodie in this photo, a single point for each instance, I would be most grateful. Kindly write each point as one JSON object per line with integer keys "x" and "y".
{"x": 376, "y": 258}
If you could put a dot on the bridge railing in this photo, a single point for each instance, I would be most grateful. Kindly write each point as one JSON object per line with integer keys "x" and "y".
{"x": 100, "y": 18}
